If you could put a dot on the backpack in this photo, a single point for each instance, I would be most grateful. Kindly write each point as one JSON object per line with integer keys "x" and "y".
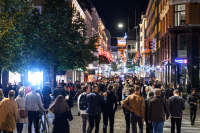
{"x": 82, "y": 102}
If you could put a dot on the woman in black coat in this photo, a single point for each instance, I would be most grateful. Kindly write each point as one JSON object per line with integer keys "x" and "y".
{"x": 119, "y": 93}
{"x": 69, "y": 97}
{"x": 62, "y": 114}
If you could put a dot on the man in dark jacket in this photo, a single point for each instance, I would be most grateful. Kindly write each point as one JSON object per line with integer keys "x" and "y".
{"x": 193, "y": 101}
{"x": 46, "y": 92}
{"x": 157, "y": 109}
{"x": 59, "y": 90}
{"x": 109, "y": 109}
{"x": 169, "y": 92}
{"x": 176, "y": 105}
{"x": 93, "y": 108}
{"x": 149, "y": 127}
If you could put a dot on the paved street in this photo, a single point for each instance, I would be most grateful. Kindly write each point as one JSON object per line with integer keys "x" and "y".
{"x": 75, "y": 125}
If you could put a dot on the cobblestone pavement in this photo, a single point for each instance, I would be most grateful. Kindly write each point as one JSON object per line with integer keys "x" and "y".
{"x": 119, "y": 126}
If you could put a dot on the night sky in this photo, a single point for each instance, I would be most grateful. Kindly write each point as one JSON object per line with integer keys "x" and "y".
{"x": 113, "y": 12}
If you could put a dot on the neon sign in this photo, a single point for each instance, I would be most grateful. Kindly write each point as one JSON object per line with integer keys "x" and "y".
{"x": 181, "y": 61}
{"x": 107, "y": 54}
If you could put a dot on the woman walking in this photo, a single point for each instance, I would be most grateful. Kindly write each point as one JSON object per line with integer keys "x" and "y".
{"x": 119, "y": 93}
{"x": 62, "y": 114}
{"x": 21, "y": 105}
{"x": 1, "y": 98}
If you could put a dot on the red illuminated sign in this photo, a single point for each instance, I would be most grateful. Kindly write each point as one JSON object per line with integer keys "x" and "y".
{"x": 107, "y": 54}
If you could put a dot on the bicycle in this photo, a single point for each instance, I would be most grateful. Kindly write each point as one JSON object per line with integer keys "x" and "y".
{"x": 43, "y": 123}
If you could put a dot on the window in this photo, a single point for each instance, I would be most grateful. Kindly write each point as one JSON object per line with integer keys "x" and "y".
{"x": 182, "y": 42}
{"x": 133, "y": 46}
{"x": 179, "y": 15}
{"x": 129, "y": 47}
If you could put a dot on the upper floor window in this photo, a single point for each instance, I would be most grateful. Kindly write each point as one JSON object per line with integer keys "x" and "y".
{"x": 129, "y": 47}
{"x": 179, "y": 17}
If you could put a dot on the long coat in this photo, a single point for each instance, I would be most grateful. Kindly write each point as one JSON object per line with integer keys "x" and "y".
{"x": 21, "y": 105}
{"x": 8, "y": 111}
{"x": 119, "y": 93}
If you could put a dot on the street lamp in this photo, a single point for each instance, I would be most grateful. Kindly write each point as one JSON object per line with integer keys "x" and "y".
{"x": 120, "y": 25}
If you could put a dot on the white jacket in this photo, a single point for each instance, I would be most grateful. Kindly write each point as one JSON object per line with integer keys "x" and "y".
{"x": 81, "y": 111}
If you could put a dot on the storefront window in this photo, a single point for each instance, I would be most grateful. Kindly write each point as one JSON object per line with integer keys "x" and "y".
{"x": 179, "y": 15}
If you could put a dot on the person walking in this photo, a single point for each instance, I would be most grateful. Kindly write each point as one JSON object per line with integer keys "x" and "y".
{"x": 46, "y": 92}
{"x": 180, "y": 89}
{"x": 59, "y": 90}
{"x": 169, "y": 92}
{"x": 21, "y": 106}
{"x": 125, "y": 91}
{"x": 7, "y": 89}
{"x": 176, "y": 105}
{"x": 81, "y": 102}
{"x": 69, "y": 97}
{"x": 1, "y": 98}
{"x": 33, "y": 103}
{"x": 109, "y": 109}
{"x": 135, "y": 103}
{"x": 149, "y": 127}
{"x": 157, "y": 108}
{"x": 163, "y": 92}
{"x": 193, "y": 102}
{"x": 8, "y": 109}
{"x": 127, "y": 113}
{"x": 62, "y": 114}
{"x": 119, "y": 92}
{"x": 93, "y": 108}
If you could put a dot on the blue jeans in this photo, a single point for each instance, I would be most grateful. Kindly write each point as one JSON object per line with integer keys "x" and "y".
{"x": 158, "y": 127}
{"x": 134, "y": 120}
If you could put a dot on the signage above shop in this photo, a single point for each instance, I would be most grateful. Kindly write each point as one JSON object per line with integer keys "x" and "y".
{"x": 107, "y": 54}
{"x": 181, "y": 61}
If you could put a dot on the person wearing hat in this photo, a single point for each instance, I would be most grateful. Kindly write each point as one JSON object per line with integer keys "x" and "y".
{"x": 8, "y": 109}
{"x": 193, "y": 101}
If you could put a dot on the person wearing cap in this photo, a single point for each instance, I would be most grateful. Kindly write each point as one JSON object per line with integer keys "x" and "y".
{"x": 33, "y": 104}
{"x": 46, "y": 92}
{"x": 8, "y": 109}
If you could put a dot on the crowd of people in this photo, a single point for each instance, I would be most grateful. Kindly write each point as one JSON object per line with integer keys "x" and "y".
{"x": 142, "y": 101}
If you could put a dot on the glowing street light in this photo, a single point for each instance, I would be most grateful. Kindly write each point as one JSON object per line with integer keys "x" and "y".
{"x": 120, "y": 25}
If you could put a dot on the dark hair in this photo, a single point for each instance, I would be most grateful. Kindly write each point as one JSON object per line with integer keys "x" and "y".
{"x": 60, "y": 105}
{"x": 151, "y": 94}
{"x": 131, "y": 90}
{"x": 110, "y": 87}
{"x": 137, "y": 88}
{"x": 85, "y": 88}
{"x": 21, "y": 93}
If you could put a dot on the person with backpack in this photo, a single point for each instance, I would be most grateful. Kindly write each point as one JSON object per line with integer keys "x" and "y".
{"x": 81, "y": 102}
{"x": 59, "y": 90}
{"x": 109, "y": 109}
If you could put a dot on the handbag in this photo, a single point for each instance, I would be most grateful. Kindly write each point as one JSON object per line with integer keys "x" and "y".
{"x": 67, "y": 96}
{"x": 23, "y": 113}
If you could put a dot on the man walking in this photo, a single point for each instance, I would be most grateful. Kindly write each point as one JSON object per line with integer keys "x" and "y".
{"x": 46, "y": 92}
{"x": 33, "y": 104}
{"x": 193, "y": 101}
{"x": 82, "y": 107}
{"x": 93, "y": 108}
{"x": 169, "y": 92}
{"x": 135, "y": 103}
{"x": 176, "y": 105}
{"x": 157, "y": 109}
{"x": 109, "y": 109}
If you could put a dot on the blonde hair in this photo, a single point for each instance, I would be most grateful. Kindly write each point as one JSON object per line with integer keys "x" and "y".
{"x": 1, "y": 94}
{"x": 148, "y": 88}
{"x": 126, "y": 85}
